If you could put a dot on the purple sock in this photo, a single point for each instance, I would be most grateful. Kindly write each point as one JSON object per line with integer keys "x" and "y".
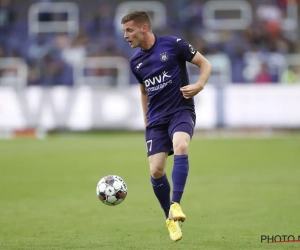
{"x": 179, "y": 176}
{"x": 161, "y": 188}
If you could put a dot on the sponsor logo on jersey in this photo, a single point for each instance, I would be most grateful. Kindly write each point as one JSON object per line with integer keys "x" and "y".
{"x": 157, "y": 79}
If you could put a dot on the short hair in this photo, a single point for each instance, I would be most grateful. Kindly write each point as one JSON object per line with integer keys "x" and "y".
{"x": 139, "y": 17}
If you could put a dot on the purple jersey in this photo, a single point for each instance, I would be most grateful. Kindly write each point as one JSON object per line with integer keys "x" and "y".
{"x": 162, "y": 69}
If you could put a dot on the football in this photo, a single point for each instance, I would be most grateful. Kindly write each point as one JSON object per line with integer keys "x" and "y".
{"x": 111, "y": 190}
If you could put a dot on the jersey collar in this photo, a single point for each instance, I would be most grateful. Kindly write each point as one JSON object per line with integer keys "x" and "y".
{"x": 153, "y": 46}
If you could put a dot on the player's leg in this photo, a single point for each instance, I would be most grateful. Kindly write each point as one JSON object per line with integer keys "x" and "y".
{"x": 158, "y": 145}
{"x": 159, "y": 180}
{"x": 181, "y": 141}
{"x": 182, "y": 131}
{"x": 180, "y": 171}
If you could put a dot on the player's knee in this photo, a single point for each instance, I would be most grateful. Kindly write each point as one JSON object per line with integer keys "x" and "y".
{"x": 181, "y": 148}
{"x": 156, "y": 171}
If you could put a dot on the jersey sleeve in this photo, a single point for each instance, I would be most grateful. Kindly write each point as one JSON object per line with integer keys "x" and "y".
{"x": 132, "y": 67}
{"x": 184, "y": 50}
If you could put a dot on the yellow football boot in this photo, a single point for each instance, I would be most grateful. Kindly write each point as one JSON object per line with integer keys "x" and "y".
{"x": 174, "y": 230}
{"x": 176, "y": 213}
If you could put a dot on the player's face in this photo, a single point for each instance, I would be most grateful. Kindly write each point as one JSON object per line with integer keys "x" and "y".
{"x": 133, "y": 34}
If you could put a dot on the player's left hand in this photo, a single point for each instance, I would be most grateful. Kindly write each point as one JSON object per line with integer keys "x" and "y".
{"x": 190, "y": 91}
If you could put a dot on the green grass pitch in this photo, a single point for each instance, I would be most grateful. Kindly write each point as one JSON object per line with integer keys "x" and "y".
{"x": 237, "y": 190}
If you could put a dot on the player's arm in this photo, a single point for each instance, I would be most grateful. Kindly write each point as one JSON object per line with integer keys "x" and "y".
{"x": 190, "y": 91}
{"x": 144, "y": 99}
{"x": 205, "y": 69}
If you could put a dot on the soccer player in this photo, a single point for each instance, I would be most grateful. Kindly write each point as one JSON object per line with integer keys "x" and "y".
{"x": 168, "y": 106}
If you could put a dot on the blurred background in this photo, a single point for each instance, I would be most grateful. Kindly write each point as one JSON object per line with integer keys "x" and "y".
{"x": 65, "y": 76}
{"x": 64, "y": 65}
